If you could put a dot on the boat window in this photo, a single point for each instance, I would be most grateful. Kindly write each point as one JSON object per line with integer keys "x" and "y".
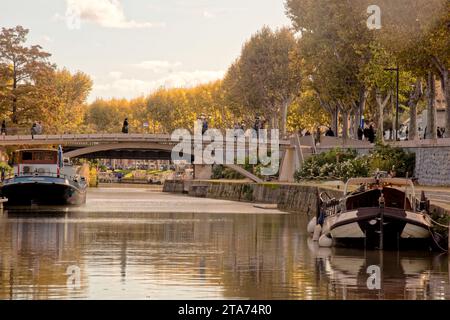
{"x": 27, "y": 155}
{"x": 38, "y": 157}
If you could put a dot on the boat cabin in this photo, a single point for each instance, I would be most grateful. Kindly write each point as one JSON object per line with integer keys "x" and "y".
{"x": 36, "y": 162}
{"x": 394, "y": 198}
{"x": 398, "y": 193}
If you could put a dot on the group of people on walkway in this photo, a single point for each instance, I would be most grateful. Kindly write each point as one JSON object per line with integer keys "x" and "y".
{"x": 258, "y": 124}
{"x": 367, "y": 133}
{"x": 36, "y": 129}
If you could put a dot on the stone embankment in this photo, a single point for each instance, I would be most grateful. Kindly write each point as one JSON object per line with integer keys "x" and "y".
{"x": 433, "y": 166}
{"x": 296, "y": 198}
{"x": 288, "y": 197}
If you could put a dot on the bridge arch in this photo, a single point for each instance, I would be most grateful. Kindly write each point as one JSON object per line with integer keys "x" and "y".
{"x": 146, "y": 146}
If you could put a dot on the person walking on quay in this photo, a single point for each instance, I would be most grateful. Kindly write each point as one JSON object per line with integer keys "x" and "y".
{"x": 205, "y": 125}
{"x": 440, "y": 132}
{"x": 371, "y": 134}
{"x": 125, "y": 127}
{"x": 3, "y": 132}
{"x": 239, "y": 129}
{"x": 257, "y": 125}
{"x": 330, "y": 132}
{"x": 360, "y": 133}
{"x": 262, "y": 126}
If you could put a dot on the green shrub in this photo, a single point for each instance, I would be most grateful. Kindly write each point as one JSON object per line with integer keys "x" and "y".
{"x": 387, "y": 158}
{"x": 6, "y": 167}
{"x": 342, "y": 165}
{"x": 217, "y": 172}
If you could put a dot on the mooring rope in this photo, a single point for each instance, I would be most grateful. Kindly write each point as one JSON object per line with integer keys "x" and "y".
{"x": 435, "y": 242}
{"x": 439, "y": 224}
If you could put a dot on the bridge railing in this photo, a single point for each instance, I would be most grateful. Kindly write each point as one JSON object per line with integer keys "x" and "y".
{"x": 97, "y": 137}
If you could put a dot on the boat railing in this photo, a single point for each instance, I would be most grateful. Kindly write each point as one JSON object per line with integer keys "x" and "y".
{"x": 76, "y": 178}
{"x": 329, "y": 205}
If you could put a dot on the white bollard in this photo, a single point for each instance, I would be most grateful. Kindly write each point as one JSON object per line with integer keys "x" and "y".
{"x": 325, "y": 241}
{"x": 317, "y": 232}
{"x": 312, "y": 225}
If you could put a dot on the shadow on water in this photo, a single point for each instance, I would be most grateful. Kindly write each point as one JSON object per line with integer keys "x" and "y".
{"x": 197, "y": 256}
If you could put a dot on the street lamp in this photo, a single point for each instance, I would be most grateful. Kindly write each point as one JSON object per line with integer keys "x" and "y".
{"x": 397, "y": 70}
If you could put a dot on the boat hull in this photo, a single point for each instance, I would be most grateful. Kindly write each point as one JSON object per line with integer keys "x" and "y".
{"x": 45, "y": 192}
{"x": 362, "y": 227}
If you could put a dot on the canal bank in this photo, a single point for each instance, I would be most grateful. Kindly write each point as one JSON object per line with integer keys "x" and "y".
{"x": 294, "y": 198}
{"x": 290, "y": 197}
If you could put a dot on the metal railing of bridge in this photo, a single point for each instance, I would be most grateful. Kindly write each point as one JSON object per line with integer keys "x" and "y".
{"x": 100, "y": 138}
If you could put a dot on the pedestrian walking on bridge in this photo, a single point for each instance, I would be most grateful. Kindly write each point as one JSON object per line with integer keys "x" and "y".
{"x": 125, "y": 127}
{"x": 3, "y": 132}
{"x": 34, "y": 130}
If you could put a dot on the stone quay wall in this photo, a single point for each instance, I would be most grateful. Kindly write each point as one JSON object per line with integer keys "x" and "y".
{"x": 288, "y": 197}
{"x": 294, "y": 198}
{"x": 432, "y": 159}
{"x": 433, "y": 166}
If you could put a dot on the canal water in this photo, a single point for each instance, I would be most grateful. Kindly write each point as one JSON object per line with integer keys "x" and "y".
{"x": 138, "y": 243}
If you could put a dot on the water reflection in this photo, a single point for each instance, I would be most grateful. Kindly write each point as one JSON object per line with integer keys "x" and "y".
{"x": 197, "y": 256}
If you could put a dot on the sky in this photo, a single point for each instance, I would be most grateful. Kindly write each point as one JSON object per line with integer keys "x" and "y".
{"x": 132, "y": 47}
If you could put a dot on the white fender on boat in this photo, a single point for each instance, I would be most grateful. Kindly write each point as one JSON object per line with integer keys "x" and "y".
{"x": 317, "y": 232}
{"x": 312, "y": 225}
{"x": 325, "y": 241}
{"x": 313, "y": 246}
{"x": 317, "y": 251}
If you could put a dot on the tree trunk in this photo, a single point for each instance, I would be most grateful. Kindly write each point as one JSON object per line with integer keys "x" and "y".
{"x": 414, "y": 98}
{"x": 381, "y": 103}
{"x": 333, "y": 110}
{"x": 14, "y": 117}
{"x": 445, "y": 84}
{"x": 335, "y": 121}
{"x": 356, "y": 123}
{"x": 359, "y": 110}
{"x": 273, "y": 122}
{"x": 284, "y": 113}
{"x": 431, "y": 128}
{"x": 345, "y": 124}
{"x": 412, "y": 120}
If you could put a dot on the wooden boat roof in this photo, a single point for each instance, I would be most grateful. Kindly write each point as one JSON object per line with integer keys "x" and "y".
{"x": 40, "y": 149}
{"x": 399, "y": 182}
{"x": 393, "y": 181}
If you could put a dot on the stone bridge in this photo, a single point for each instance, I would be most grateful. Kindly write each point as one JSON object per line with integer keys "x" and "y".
{"x": 125, "y": 146}
{"x": 432, "y": 156}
